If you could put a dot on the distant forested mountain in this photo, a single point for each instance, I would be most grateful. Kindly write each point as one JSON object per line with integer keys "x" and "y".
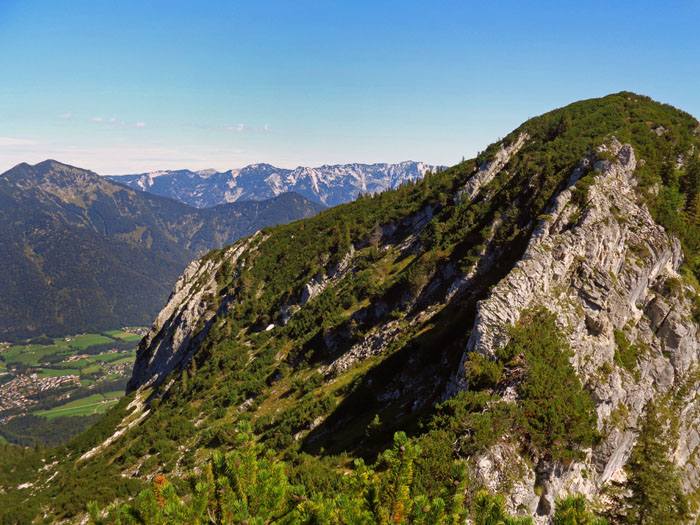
{"x": 80, "y": 252}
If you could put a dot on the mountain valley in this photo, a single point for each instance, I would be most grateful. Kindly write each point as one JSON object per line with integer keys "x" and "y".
{"x": 53, "y": 389}
{"x": 512, "y": 339}
{"x": 82, "y": 253}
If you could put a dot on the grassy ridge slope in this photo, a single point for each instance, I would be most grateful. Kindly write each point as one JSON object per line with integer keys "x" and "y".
{"x": 405, "y": 249}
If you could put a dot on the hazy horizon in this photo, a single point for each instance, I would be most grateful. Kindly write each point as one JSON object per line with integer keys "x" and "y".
{"x": 133, "y": 88}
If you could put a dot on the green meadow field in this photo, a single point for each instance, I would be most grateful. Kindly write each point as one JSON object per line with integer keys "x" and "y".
{"x": 87, "y": 340}
{"x": 124, "y": 336}
{"x": 94, "y": 404}
{"x": 101, "y": 373}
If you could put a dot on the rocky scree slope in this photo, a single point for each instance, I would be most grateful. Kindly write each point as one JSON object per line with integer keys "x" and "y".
{"x": 326, "y": 185}
{"x": 331, "y": 333}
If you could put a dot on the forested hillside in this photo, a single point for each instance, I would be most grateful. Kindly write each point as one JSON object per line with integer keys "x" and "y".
{"x": 522, "y": 327}
{"x": 81, "y": 253}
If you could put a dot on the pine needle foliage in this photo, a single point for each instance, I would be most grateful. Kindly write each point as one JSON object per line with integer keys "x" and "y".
{"x": 248, "y": 486}
{"x": 574, "y": 510}
{"x": 556, "y": 414}
{"x": 655, "y": 495}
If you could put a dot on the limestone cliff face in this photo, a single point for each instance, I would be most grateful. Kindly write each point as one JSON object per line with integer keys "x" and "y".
{"x": 184, "y": 322}
{"x": 600, "y": 267}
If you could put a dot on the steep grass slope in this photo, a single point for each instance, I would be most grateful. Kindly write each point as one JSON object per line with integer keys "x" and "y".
{"x": 532, "y": 312}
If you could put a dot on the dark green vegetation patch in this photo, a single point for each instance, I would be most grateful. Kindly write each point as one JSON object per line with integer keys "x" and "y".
{"x": 82, "y": 253}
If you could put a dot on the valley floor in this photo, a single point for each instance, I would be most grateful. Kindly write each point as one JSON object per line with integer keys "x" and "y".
{"x": 50, "y": 379}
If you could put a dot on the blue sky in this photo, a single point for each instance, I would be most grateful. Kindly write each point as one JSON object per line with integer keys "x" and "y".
{"x": 129, "y": 86}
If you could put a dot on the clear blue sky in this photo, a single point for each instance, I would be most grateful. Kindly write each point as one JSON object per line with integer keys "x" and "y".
{"x": 128, "y": 86}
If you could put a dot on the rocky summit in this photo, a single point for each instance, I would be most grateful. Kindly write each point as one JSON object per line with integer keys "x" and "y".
{"x": 517, "y": 333}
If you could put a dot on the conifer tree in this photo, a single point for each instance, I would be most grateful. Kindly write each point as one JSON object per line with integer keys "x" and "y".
{"x": 654, "y": 485}
{"x": 395, "y": 496}
{"x": 690, "y": 181}
{"x": 491, "y": 510}
{"x": 573, "y": 510}
{"x": 426, "y": 188}
{"x": 667, "y": 172}
{"x": 693, "y": 211}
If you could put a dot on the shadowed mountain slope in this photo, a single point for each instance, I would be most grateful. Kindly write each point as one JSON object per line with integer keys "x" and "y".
{"x": 81, "y": 252}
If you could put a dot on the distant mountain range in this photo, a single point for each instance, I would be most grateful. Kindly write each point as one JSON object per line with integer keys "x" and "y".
{"x": 80, "y": 252}
{"x": 530, "y": 317}
{"x": 327, "y": 185}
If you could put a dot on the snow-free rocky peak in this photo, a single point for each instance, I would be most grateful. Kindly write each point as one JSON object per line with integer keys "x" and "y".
{"x": 532, "y": 313}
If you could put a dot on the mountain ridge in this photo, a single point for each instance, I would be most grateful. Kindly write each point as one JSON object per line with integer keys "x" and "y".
{"x": 64, "y": 227}
{"x": 329, "y": 185}
{"x": 532, "y": 314}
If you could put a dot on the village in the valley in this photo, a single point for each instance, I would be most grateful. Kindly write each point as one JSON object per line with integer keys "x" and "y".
{"x": 75, "y": 375}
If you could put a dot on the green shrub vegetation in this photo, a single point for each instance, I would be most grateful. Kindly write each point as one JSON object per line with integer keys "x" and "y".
{"x": 554, "y": 417}
{"x": 34, "y": 431}
{"x": 626, "y": 353}
{"x": 575, "y": 510}
{"x": 405, "y": 248}
{"x": 556, "y": 413}
{"x": 247, "y": 485}
{"x": 655, "y": 494}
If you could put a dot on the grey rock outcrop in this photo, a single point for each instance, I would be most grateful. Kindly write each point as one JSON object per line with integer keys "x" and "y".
{"x": 374, "y": 344}
{"x": 184, "y": 321}
{"x": 599, "y": 267}
{"x": 488, "y": 170}
{"x": 321, "y": 281}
